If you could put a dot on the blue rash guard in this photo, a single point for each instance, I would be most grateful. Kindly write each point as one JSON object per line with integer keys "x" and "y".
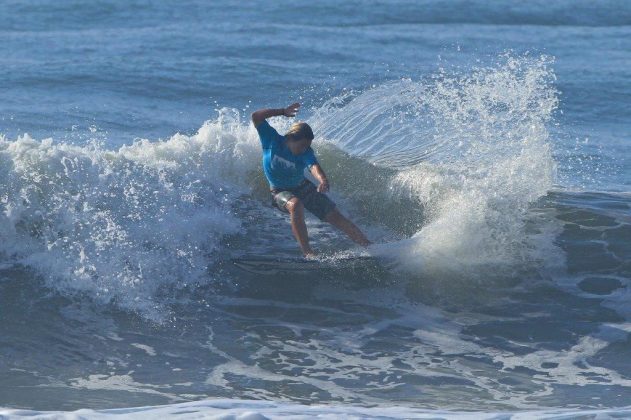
{"x": 283, "y": 169}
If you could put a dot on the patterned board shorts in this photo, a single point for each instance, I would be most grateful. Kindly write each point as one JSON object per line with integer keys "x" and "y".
{"x": 316, "y": 202}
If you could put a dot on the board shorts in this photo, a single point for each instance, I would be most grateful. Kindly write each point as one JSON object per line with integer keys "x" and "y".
{"x": 316, "y": 202}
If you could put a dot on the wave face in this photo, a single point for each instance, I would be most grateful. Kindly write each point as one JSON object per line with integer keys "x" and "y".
{"x": 460, "y": 157}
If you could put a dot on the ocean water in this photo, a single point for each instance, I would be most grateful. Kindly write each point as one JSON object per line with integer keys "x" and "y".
{"x": 482, "y": 145}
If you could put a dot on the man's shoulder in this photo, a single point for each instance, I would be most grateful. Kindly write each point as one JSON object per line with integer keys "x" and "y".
{"x": 265, "y": 129}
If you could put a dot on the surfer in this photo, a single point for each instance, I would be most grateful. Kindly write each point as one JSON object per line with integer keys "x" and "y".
{"x": 284, "y": 161}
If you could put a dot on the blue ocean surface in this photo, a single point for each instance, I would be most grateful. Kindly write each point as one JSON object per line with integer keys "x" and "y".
{"x": 483, "y": 146}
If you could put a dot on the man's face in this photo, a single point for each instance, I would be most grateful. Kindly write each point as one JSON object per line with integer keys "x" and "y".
{"x": 298, "y": 147}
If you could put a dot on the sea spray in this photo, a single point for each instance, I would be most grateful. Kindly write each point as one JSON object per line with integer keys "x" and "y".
{"x": 472, "y": 150}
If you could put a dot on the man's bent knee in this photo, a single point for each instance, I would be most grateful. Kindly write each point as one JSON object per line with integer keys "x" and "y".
{"x": 294, "y": 205}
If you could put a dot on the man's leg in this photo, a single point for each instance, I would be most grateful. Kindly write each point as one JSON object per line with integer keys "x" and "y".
{"x": 298, "y": 227}
{"x": 338, "y": 220}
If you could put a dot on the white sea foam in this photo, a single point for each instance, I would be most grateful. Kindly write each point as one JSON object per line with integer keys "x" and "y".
{"x": 232, "y": 409}
{"x": 121, "y": 224}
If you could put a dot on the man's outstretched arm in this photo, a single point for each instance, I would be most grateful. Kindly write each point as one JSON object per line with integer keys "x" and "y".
{"x": 263, "y": 114}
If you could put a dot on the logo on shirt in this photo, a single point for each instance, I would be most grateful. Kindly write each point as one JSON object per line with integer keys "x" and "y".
{"x": 279, "y": 161}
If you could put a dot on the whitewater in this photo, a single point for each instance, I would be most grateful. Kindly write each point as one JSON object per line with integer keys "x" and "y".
{"x": 494, "y": 184}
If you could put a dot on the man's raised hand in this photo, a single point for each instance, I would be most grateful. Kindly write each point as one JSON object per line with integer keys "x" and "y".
{"x": 291, "y": 110}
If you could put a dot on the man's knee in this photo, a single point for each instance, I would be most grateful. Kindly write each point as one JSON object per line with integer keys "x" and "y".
{"x": 294, "y": 206}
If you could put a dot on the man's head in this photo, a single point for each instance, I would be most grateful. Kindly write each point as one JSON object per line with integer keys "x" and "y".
{"x": 299, "y": 138}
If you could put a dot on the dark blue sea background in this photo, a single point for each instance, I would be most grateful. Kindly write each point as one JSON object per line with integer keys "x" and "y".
{"x": 484, "y": 147}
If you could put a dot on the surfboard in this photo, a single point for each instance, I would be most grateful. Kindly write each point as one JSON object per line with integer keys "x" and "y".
{"x": 277, "y": 265}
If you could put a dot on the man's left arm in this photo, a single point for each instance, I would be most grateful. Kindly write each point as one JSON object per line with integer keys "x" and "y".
{"x": 320, "y": 176}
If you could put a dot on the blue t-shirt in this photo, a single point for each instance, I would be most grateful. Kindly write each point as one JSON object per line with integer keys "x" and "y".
{"x": 282, "y": 168}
